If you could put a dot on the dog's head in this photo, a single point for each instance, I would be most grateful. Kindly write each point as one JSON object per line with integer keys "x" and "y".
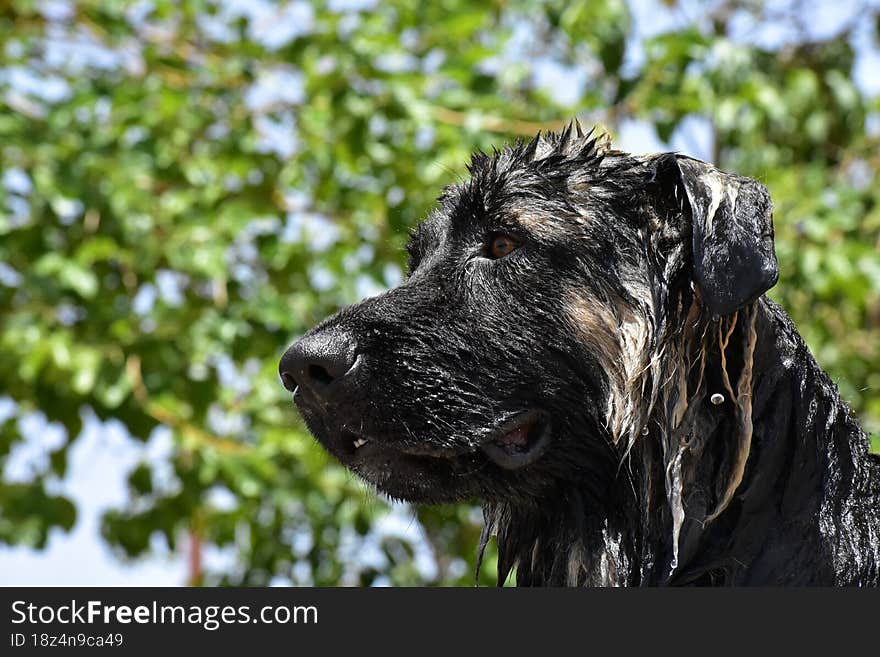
{"x": 537, "y": 292}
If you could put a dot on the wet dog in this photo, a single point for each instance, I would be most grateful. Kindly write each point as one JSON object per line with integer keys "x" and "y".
{"x": 582, "y": 343}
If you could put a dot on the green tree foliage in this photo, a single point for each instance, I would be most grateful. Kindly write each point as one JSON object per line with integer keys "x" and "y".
{"x": 187, "y": 187}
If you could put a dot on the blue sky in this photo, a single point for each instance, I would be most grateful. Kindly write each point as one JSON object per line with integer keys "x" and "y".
{"x": 101, "y": 457}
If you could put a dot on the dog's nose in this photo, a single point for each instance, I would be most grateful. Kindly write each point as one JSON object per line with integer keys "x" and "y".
{"x": 317, "y": 361}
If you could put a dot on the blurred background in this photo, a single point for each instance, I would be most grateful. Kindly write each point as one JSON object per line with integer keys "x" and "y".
{"x": 186, "y": 187}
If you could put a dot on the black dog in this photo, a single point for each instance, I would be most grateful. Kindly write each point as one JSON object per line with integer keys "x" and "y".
{"x": 582, "y": 344}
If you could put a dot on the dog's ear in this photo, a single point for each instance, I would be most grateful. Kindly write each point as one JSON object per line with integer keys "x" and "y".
{"x": 732, "y": 229}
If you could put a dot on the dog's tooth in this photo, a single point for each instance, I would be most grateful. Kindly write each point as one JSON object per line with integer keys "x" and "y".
{"x": 359, "y": 442}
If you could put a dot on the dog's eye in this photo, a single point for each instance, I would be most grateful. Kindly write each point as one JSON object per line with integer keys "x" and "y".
{"x": 501, "y": 245}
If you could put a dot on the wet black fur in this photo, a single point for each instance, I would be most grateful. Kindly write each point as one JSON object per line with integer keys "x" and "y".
{"x": 467, "y": 342}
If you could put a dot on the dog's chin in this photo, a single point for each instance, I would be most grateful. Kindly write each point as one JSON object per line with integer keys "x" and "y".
{"x": 416, "y": 479}
{"x": 414, "y": 474}
{"x": 408, "y": 474}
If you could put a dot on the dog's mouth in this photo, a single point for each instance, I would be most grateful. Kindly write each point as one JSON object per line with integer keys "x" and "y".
{"x": 358, "y": 446}
{"x": 514, "y": 444}
{"x": 429, "y": 473}
{"x": 519, "y": 441}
